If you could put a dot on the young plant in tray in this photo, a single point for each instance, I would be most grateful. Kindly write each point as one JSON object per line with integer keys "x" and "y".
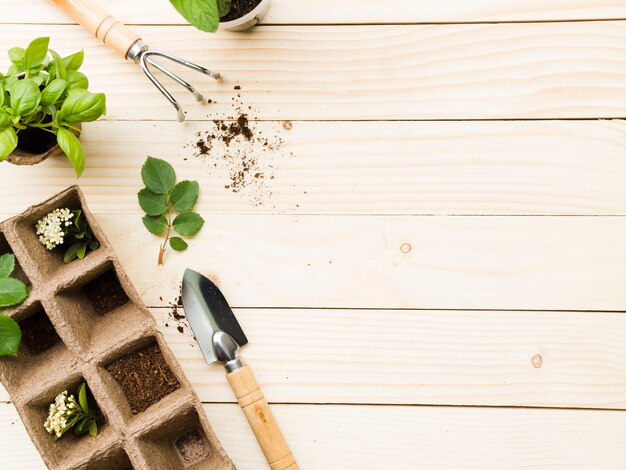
{"x": 66, "y": 413}
{"x": 168, "y": 205}
{"x": 67, "y": 228}
{"x": 12, "y": 292}
{"x": 43, "y": 100}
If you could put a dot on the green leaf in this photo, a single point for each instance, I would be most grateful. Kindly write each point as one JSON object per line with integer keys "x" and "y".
{"x": 77, "y": 80}
{"x": 53, "y": 92}
{"x": 25, "y": 97}
{"x": 152, "y": 203}
{"x": 16, "y": 56}
{"x": 10, "y": 336}
{"x": 93, "y": 428}
{"x": 74, "y": 61}
{"x": 12, "y": 291}
{"x": 82, "y": 107}
{"x": 82, "y": 250}
{"x": 203, "y": 14}
{"x": 184, "y": 195}
{"x": 5, "y": 119}
{"x": 158, "y": 175}
{"x": 36, "y": 52}
{"x": 82, "y": 397}
{"x": 56, "y": 68}
{"x": 155, "y": 223}
{"x": 223, "y": 7}
{"x": 94, "y": 245}
{"x": 73, "y": 149}
{"x": 8, "y": 142}
{"x": 178, "y": 244}
{"x": 71, "y": 253}
{"x": 188, "y": 223}
{"x": 7, "y": 264}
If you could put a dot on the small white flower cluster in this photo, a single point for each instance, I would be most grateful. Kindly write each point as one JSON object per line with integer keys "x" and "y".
{"x": 60, "y": 413}
{"x": 51, "y": 229}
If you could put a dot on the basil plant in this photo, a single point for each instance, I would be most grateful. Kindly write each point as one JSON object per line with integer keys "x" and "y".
{"x": 46, "y": 91}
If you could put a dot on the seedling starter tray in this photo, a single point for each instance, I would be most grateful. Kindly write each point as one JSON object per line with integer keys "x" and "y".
{"x": 85, "y": 337}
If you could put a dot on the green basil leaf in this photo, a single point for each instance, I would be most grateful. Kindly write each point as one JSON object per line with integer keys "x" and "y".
{"x": 25, "y": 97}
{"x": 7, "y": 264}
{"x": 188, "y": 223}
{"x": 223, "y": 7}
{"x": 5, "y": 119}
{"x": 93, "y": 428}
{"x": 184, "y": 195}
{"x": 56, "y": 68}
{"x": 71, "y": 146}
{"x": 203, "y": 14}
{"x": 151, "y": 202}
{"x": 16, "y": 56}
{"x": 53, "y": 92}
{"x": 82, "y": 107}
{"x": 77, "y": 80}
{"x": 36, "y": 52}
{"x": 10, "y": 336}
{"x": 12, "y": 291}
{"x": 178, "y": 244}
{"x": 155, "y": 223}
{"x": 74, "y": 61}
{"x": 8, "y": 142}
{"x": 158, "y": 175}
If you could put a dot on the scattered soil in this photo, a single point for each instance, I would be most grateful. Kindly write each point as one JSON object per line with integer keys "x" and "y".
{"x": 38, "y": 333}
{"x": 34, "y": 140}
{"x": 239, "y": 8}
{"x": 176, "y": 317}
{"x": 105, "y": 293}
{"x": 144, "y": 376}
{"x": 193, "y": 447}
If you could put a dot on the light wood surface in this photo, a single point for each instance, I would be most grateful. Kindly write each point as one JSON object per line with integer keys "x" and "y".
{"x": 348, "y": 11}
{"x": 262, "y": 421}
{"x": 431, "y": 272}
{"x": 486, "y": 71}
{"x": 375, "y": 437}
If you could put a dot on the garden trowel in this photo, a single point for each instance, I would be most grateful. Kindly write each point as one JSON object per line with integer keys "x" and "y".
{"x": 219, "y": 335}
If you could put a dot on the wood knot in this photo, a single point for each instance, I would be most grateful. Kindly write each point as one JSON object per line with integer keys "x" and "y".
{"x": 406, "y": 248}
{"x": 287, "y": 125}
{"x": 537, "y": 361}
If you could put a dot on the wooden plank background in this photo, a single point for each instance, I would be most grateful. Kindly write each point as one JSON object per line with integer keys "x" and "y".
{"x": 434, "y": 275}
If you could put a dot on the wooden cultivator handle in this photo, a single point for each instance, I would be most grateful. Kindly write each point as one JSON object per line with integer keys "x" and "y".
{"x": 96, "y": 20}
{"x": 261, "y": 419}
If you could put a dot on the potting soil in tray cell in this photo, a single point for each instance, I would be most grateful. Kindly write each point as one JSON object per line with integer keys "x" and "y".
{"x": 105, "y": 293}
{"x": 38, "y": 332}
{"x": 144, "y": 376}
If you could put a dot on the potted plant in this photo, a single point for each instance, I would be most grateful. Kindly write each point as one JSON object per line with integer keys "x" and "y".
{"x": 43, "y": 101}
{"x": 234, "y": 15}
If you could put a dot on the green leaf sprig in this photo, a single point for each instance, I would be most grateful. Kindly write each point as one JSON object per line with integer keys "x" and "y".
{"x": 168, "y": 205}
{"x": 12, "y": 292}
{"x": 67, "y": 413}
{"x": 203, "y": 14}
{"x": 45, "y": 91}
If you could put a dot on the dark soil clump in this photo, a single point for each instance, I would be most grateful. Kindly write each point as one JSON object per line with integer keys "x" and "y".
{"x": 144, "y": 376}
{"x": 105, "y": 293}
{"x": 34, "y": 140}
{"x": 239, "y": 8}
{"x": 38, "y": 333}
{"x": 193, "y": 447}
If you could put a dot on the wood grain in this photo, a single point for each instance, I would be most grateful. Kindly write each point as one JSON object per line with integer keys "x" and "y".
{"x": 442, "y": 168}
{"x": 547, "y": 359}
{"x": 347, "y": 11}
{"x": 375, "y": 437}
{"x": 499, "y": 71}
{"x": 539, "y": 263}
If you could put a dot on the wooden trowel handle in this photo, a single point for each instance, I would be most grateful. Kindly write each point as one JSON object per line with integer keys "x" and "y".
{"x": 260, "y": 417}
{"x": 99, "y": 22}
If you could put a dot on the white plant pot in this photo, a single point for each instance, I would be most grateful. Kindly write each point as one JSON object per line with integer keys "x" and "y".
{"x": 249, "y": 20}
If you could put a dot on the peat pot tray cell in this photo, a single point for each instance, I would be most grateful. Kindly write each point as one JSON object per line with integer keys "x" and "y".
{"x": 41, "y": 350}
{"x": 179, "y": 443}
{"x": 113, "y": 459}
{"x": 70, "y": 447}
{"x": 49, "y": 263}
{"x": 143, "y": 375}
